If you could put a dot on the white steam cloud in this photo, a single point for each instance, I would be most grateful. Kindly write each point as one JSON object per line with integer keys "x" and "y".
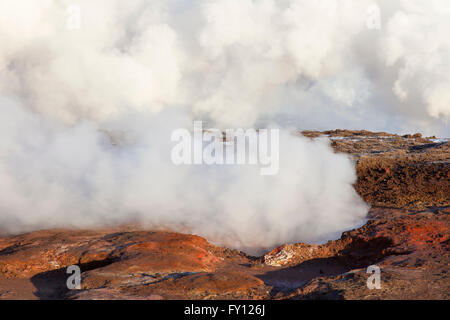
{"x": 135, "y": 70}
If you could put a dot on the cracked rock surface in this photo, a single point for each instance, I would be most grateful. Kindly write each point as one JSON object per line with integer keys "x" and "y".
{"x": 407, "y": 234}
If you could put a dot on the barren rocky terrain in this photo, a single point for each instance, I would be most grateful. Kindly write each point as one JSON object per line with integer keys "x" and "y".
{"x": 407, "y": 234}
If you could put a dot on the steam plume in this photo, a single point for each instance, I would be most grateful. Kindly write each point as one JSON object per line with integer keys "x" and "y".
{"x": 136, "y": 70}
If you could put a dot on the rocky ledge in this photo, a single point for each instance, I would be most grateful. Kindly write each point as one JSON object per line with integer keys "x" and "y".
{"x": 404, "y": 178}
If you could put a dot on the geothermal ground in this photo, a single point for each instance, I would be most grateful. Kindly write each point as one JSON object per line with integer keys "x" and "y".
{"x": 404, "y": 178}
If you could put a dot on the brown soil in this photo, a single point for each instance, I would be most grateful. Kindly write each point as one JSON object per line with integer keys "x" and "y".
{"x": 405, "y": 179}
{"x": 396, "y": 171}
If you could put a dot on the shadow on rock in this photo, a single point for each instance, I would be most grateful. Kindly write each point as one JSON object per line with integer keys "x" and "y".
{"x": 52, "y": 285}
{"x": 297, "y": 276}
